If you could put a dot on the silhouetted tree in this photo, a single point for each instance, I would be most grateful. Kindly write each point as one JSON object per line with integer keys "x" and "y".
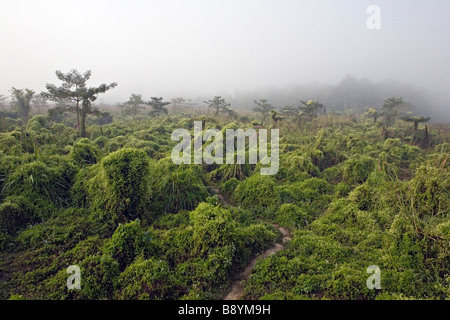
{"x": 263, "y": 107}
{"x": 416, "y": 120}
{"x": 310, "y": 109}
{"x": 372, "y": 113}
{"x": 22, "y": 101}
{"x": 74, "y": 89}
{"x": 133, "y": 105}
{"x": 158, "y": 106}
{"x": 231, "y": 113}
{"x": 218, "y": 103}
{"x": 390, "y": 110}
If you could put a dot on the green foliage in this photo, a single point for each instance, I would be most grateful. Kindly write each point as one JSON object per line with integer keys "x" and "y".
{"x": 124, "y": 177}
{"x": 141, "y": 227}
{"x": 358, "y": 169}
{"x": 37, "y": 181}
{"x": 179, "y": 189}
{"x": 429, "y": 192}
{"x": 128, "y": 242}
{"x": 296, "y": 168}
{"x": 146, "y": 280}
{"x": 213, "y": 228}
{"x": 84, "y": 153}
{"x": 257, "y": 192}
{"x": 229, "y": 186}
{"x": 15, "y": 213}
{"x": 291, "y": 216}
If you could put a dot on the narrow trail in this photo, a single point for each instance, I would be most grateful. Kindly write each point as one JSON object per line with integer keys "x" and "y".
{"x": 237, "y": 290}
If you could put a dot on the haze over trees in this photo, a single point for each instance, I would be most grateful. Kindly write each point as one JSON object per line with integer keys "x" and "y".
{"x": 97, "y": 184}
{"x": 21, "y": 100}
{"x": 218, "y": 104}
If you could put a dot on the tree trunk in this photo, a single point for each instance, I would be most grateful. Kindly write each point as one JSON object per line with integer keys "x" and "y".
{"x": 83, "y": 126}
{"x": 78, "y": 115}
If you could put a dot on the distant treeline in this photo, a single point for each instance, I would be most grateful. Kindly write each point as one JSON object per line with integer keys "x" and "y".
{"x": 350, "y": 94}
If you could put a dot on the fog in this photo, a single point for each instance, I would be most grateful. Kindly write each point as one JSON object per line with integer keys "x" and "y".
{"x": 194, "y": 48}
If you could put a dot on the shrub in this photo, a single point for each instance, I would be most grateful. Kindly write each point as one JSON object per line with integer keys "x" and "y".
{"x": 229, "y": 186}
{"x": 124, "y": 179}
{"x": 291, "y": 216}
{"x": 181, "y": 189}
{"x": 257, "y": 192}
{"x": 84, "y": 153}
{"x": 127, "y": 242}
{"x": 429, "y": 192}
{"x": 213, "y": 226}
{"x": 38, "y": 182}
{"x": 15, "y": 213}
{"x": 358, "y": 169}
{"x": 146, "y": 280}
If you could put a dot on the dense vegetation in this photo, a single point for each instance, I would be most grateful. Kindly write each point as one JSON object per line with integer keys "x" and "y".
{"x": 353, "y": 191}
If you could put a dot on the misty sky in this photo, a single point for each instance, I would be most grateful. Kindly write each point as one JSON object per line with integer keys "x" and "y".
{"x": 190, "y": 47}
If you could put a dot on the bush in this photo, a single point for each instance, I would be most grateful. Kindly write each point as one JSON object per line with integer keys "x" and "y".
{"x": 15, "y": 213}
{"x": 358, "y": 169}
{"x": 180, "y": 189}
{"x": 257, "y": 193}
{"x": 124, "y": 179}
{"x": 39, "y": 183}
{"x": 229, "y": 186}
{"x": 146, "y": 280}
{"x": 128, "y": 242}
{"x": 214, "y": 228}
{"x": 84, "y": 153}
{"x": 291, "y": 216}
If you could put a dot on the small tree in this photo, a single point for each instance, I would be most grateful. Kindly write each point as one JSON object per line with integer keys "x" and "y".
{"x": 178, "y": 102}
{"x": 372, "y": 113}
{"x": 276, "y": 117}
{"x": 310, "y": 108}
{"x": 231, "y": 113}
{"x": 158, "y": 106}
{"x": 22, "y": 101}
{"x": 263, "y": 107}
{"x": 2, "y": 101}
{"x": 416, "y": 120}
{"x": 133, "y": 105}
{"x": 40, "y": 103}
{"x": 90, "y": 95}
{"x": 391, "y": 108}
{"x": 74, "y": 89}
{"x": 218, "y": 103}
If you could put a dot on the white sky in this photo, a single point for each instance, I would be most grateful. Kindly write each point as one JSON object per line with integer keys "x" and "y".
{"x": 182, "y": 48}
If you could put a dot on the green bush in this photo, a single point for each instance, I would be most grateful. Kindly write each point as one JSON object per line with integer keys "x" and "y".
{"x": 84, "y": 153}
{"x": 39, "y": 183}
{"x": 123, "y": 184}
{"x": 146, "y": 280}
{"x": 128, "y": 242}
{"x": 257, "y": 193}
{"x": 213, "y": 226}
{"x": 15, "y": 213}
{"x": 179, "y": 189}
{"x": 229, "y": 186}
{"x": 358, "y": 169}
{"x": 291, "y": 216}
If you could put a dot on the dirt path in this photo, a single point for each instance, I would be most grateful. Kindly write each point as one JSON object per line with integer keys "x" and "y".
{"x": 237, "y": 290}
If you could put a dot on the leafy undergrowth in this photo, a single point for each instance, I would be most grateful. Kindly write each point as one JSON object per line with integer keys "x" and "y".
{"x": 140, "y": 227}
